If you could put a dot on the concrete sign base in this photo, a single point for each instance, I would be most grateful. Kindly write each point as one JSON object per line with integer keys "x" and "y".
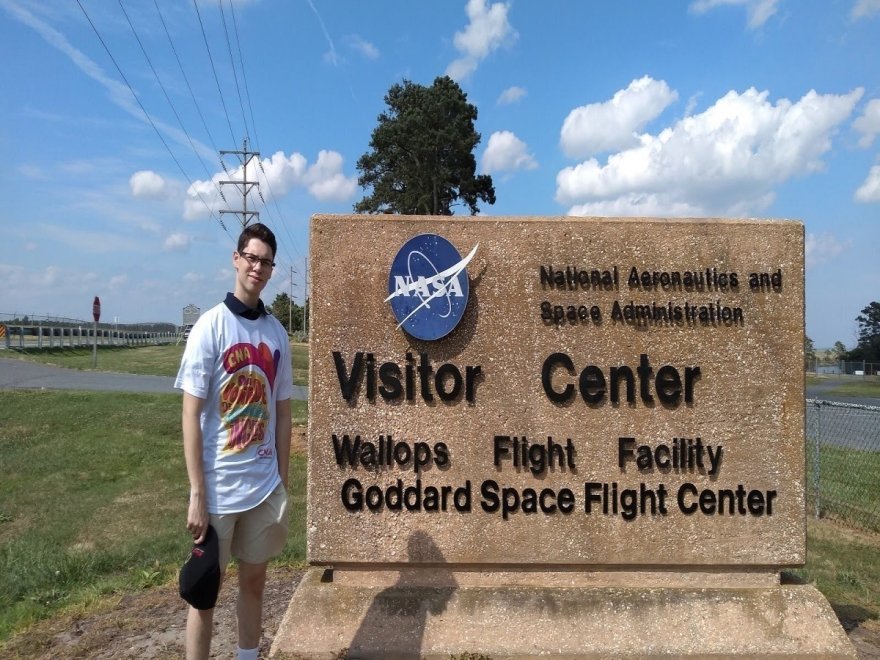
{"x": 439, "y": 613}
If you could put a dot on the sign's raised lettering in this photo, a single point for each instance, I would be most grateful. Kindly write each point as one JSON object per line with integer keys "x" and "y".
{"x": 554, "y": 396}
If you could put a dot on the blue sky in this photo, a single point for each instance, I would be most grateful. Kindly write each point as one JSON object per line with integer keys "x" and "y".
{"x": 740, "y": 108}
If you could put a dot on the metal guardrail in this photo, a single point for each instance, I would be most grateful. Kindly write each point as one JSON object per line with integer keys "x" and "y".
{"x": 843, "y": 462}
{"x": 39, "y": 336}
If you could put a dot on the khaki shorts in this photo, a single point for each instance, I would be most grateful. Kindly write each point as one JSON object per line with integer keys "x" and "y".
{"x": 254, "y": 536}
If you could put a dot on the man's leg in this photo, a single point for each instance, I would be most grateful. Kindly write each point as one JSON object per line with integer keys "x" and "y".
{"x": 251, "y": 581}
{"x": 199, "y": 626}
{"x": 199, "y": 623}
{"x": 259, "y": 536}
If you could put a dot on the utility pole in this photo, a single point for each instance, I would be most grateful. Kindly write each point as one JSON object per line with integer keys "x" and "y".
{"x": 244, "y": 156}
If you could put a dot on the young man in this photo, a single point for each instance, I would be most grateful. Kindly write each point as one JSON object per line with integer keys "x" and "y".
{"x": 236, "y": 378}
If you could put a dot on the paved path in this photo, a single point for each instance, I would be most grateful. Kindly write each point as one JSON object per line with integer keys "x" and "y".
{"x": 825, "y": 391}
{"x": 21, "y": 374}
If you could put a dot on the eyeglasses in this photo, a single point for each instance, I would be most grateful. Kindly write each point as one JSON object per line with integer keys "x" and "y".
{"x": 253, "y": 260}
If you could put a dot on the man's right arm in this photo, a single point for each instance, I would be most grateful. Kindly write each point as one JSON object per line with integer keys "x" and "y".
{"x": 197, "y": 516}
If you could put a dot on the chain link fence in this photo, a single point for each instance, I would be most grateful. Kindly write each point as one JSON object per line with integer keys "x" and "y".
{"x": 826, "y": 367}
{"x": 843, "y": 462}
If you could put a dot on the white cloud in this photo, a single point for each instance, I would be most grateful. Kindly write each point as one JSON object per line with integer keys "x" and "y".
{"x": 758, "y": 11}
{"x": 49, "y": 276}
{"x": 726, "y": 160}
{"x": 868, "y": 124}
{"x": 869, "y": 191}
{"x": 821, "y": 248}
{"x": 692, "y": 104}
{"x": 487, "y": 31}
{"x": 147, "y": 184}
{"x": 177, "y": 242}
{"x": 506, "y": 152}
{"x": 511, "y": 95}
{"x": 194, "y": 278}
{"x": 865, "y": 9}
{"x": 613, "y": 124}
{"x": 362, "y": 46}
{"x": 18, "y": 278}
{"x": 277, "y": 176}
{"x": 637, "y": 205}
{"x": 326, "y": 181}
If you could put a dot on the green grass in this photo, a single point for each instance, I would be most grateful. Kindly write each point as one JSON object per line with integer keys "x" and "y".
{"x": 848, "y": 485}
{"x": 299, "y": 412}
{"x": 300, "y": 356}
{"x": 848, "y": 385}
{"x": 845, "y": 566}
{"x": 93, "y": 499}
{"x": 163, "y": 360}
{"x": 867, "y": 388}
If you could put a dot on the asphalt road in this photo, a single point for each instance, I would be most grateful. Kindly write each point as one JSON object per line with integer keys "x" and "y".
{"x": 21, "y": 374}
{"x": 824, "y": 391}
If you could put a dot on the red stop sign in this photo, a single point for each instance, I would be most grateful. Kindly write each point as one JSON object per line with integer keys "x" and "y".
{"x": 96, "y": 309}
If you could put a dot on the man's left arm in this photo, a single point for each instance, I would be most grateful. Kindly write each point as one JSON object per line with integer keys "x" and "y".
{"x": 283, "y": 426}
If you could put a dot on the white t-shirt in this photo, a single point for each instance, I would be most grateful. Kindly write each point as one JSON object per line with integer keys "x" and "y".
{"x": 241, "y": 368}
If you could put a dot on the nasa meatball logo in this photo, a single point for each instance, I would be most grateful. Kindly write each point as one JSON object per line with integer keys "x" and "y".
{"x": 428, "y": 286}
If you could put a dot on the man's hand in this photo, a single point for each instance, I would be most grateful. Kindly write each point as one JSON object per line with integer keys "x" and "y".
{"x": 197, "y": 517}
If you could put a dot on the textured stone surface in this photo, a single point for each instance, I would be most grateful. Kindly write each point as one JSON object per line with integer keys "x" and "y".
{"x": 594, "y": 583}
{"x": 749, "y": 398}
{"x": 404, "y": 620}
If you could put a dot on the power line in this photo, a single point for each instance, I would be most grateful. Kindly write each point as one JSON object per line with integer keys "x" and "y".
{"x": 247, "y": 91}
{"x": 234, "y": 72}
{"x": 274, "y": 197}
{"x": 186, "y": 79}
{"x": 164, "y": 91}
{"x": 246, "y": 214}
{"x": 147, "y": 115}
{"x": 214, "y": 69}
{"x": 275, "y": 201}
{"x": 293, "y": 253}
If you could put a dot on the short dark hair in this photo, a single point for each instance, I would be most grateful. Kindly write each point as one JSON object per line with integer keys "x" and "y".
{"x": 259, "y": 231}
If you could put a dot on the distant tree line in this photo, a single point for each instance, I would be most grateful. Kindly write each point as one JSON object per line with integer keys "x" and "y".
{"x": 291, "y": 317}
{"x": 867, "y": 347}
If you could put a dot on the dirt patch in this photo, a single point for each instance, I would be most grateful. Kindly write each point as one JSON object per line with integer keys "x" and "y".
{"x": 299, "y": 440}
{"x": 150, "y": 624}
{"x": 864, "y": 635}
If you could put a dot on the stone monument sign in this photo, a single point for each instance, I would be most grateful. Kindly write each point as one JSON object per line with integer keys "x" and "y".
{"x": 556, "y": 436}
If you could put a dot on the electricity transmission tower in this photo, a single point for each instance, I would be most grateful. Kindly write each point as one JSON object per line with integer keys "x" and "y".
{"x": 244, "y": 157}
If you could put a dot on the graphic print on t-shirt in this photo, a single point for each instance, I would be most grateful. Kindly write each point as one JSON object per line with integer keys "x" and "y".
{"x": 244, "y": 399}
